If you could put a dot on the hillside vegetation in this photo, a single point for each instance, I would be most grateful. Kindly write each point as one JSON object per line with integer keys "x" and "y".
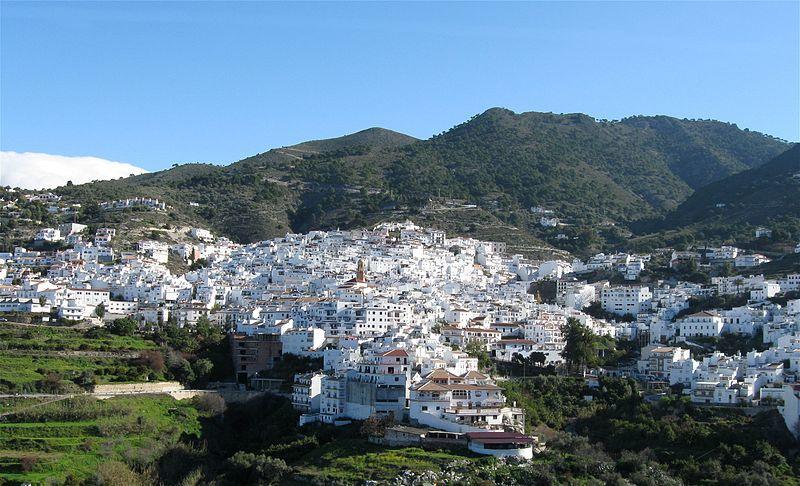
{"x": 767, "y": 195}
{"x": 72, "y": 440}
{"x": 499, "y": 163}
{"x": 63, "y": 360}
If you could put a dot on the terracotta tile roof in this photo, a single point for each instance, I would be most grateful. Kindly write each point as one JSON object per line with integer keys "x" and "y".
{"x": 431, "y": 386}
{"x": 475, "y": 375}
{"x": 440, "y": 373}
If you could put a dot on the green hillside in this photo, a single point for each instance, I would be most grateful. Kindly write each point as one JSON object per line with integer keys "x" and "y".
{"x": 767, "y": 195}
{"x": 755, "y": 196}
{"x": 371, "y": 137}
{"x": 589, "y": 172}
{"x": 575, "y": 163}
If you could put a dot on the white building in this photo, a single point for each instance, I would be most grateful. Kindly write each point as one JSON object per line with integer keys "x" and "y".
{"x": 790, "y": 282}
{"x": 49, "y": 235}
{"x": 201, "y": 234}
{"x": 154, "y": 250}
{"x": 68, "y": 229}
{"x": 22, "y": 305}
{"x": 751, "y": 260}
{"x": 791, "y": 408}
{"x": 706, "y": 324}
{"x": 657, "y": 361}
{"x": 307, "y": 392}
{"x": 502, "y": 444}
{"x": 303, "y": 342}
{"x": 103, "y": 236}
{"x": 89, "y": 297}
{"x": 623, "y": 300}
{"x": 762, "y": 232}
{"x": 764, "y": 291}
{"x": 548, "y": 222}
{"x": 468, "y": 403}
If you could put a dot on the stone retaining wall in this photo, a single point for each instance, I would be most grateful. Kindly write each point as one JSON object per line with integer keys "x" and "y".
{"x": 137, "y": 388}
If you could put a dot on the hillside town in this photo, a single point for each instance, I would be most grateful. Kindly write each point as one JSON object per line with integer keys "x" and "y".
{"x": 399, "y": 316}
{"x": 399, "y": 243}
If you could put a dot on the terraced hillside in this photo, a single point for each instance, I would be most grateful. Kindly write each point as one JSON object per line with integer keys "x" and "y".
{"x": 74, "y": 439}
{"x": 62, "y": 360}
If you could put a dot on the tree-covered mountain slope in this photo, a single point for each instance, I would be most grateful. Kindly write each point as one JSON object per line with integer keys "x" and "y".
{"x": 767, "y": 195}
{"x": 587, "y": 171}
{"x": 580, "y": 165}
{"x": 494, "y": 167}
{"x": 753, "y": 196}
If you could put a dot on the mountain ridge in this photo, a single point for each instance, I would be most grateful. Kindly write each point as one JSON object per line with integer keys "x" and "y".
{"x": 374, "y": 136}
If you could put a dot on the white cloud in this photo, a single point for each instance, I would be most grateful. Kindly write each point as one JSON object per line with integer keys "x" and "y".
{"x": 30, "y": 170}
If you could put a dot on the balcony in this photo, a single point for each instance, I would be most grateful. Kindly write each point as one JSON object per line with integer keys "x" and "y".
{"x": 479, "y": 402}
{"x": 473, "y": 411}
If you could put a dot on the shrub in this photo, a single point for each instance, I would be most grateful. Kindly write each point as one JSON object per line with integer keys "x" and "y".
{"x": 211, "y": 403}
{"x": 85, "y": 380}
{"x": 27, "y": 463}
{"x": 115, "y": 473}
{"x": 152, "y": 359}
{"x": 141, "y": 456}
{"x": 293, "y": 450}
{"x": 180, "y": 368}
{"x": 52, "y": 383}
{"x": 180, "y": 463}
{"x": 202, "y": 369}
{"x": 123, "y": 327}
{"x": 375, "y": 426}
{"x": 194, "y": 478}
{"x": 125, "y": 425}
{"x": 251, "y": 468}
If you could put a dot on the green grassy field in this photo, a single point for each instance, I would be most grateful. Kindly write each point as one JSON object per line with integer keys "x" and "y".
{"x": 74, "y": 436}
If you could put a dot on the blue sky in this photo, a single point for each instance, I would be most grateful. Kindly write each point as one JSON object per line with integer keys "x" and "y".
{"x": 152, "y": 84}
